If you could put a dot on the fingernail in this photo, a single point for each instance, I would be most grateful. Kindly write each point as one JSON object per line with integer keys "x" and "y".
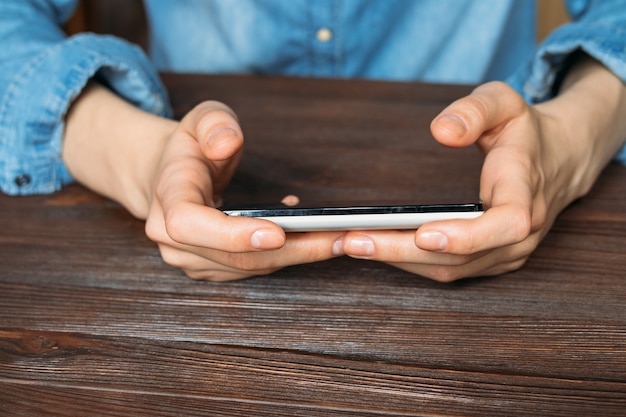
{"x": 220, "y": 135}
{"x": 452, "y": 124}
{"x": 360, "y": 246}
{"x": 266, "y": 239}
{"x": 338, "y": 247}
{"x": 435, "y": 241}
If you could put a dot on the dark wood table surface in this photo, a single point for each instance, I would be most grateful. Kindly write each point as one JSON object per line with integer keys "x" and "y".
{"x": 92, "y": 322}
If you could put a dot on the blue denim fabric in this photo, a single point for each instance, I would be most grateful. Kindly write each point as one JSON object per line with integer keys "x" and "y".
{"x": 41, "y": 72}
{"x": 452, "y": 41}
{"x": 598, "y": 28}
{"x": 430, "y": 40}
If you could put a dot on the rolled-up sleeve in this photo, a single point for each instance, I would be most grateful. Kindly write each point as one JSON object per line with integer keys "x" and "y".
{"x": 598, "y": 28}
{"x": 41, "y": 72}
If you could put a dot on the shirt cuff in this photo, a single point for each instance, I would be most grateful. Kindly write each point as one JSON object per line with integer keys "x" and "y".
{"x": 34, "y": 105}
{"x": 606, "y": 43}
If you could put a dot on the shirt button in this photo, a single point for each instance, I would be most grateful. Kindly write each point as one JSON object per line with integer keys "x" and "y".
{"x": 22, "y": 180}
{"x": 324, "y": 34}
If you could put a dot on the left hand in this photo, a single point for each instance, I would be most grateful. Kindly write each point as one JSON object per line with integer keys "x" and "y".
{"x": 531, "y": 172}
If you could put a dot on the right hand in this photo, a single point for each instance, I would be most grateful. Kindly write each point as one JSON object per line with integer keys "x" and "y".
{"x": 197, "y": 162}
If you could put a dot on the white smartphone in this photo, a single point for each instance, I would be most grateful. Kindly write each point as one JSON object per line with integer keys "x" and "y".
{"x": 308, "y": 219}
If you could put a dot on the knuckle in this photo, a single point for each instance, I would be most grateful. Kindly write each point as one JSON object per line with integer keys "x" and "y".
{"x": 515, "y": 265}
{"x": 513, "y": 99}
{"x": 521, "y": 226}
{"x": 172, "y": 257}
{"x": 526, "y": 248}
{"x": 499, "y": 87}
{"x": 175, "y": 223}
{"x": 540, "y": 215}
{"x": 153, "y": 230}
{"x": 197, "y": 276}
{"x": 211, "y": 275}
{"x": 446, "y": 274}
{"x": 223, "y": 276}
{"x": 496, "y": 89}
{"x": 507, "y": 267}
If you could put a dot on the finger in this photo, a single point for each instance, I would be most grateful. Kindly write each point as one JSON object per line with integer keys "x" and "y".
{"x": 189, "y": 224}
{"x": 459, "y": 240}
{"x": 201, "y": 157}
{"x": 509, "y": 185}
{"x": 493, "y": 263}
{"x": 500, "y": 226}
{"x": 393, "y": 246}
{"x": 299, "y": 248}
{"x": 508, "y": 189}
{"x": 217, "y": 265}
{"x": 215, "y": 127}
{"x": 486, "y": 109}
{"x": 290, "y": 200}
{"x": 396, "y": 248}
{"x": 200, "y": 268}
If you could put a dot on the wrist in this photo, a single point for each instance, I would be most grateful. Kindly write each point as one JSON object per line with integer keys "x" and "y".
{"x": 583, "y": 126}
{"x": 114, "y": 148}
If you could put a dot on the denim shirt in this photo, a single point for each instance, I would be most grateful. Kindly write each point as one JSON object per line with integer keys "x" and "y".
{"x": 439, "y": 41}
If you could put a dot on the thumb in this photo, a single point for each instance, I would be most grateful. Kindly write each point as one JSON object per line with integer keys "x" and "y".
{"x": 473, "y": 117}
{"x": 214, "y": 125}
{"x": 215, "y": 128}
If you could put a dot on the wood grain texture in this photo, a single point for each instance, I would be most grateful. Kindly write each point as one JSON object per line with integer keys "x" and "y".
{"x": 92, "y": 322}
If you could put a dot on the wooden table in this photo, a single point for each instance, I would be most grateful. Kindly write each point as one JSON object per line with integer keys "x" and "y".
{"x": 92, "y": 322}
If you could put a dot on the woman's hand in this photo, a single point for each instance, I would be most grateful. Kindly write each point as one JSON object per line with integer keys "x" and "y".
{"x": 538, "y": 159}
{"x": 197, "y": 163}
{"x": 172, "y": 174}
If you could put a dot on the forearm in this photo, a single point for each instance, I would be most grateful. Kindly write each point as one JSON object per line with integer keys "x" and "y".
{"x": 587, "y": 122}
{"x": 114, "y": 148}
